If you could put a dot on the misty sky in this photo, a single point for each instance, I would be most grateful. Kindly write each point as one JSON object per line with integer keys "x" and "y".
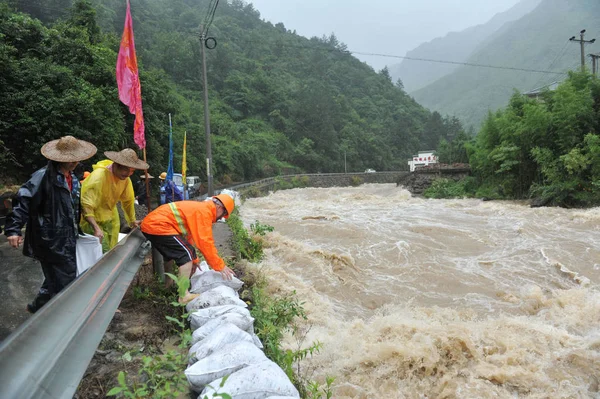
{"x": 380, "y": 26}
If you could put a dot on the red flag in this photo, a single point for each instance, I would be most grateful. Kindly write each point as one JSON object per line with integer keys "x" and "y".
{"x": 128, "y": 82}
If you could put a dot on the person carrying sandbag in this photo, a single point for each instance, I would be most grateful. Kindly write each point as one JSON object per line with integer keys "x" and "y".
{"x": 107, "y": 185}
{"x": 49, "y": 205}
{"x": 177, "y": 228}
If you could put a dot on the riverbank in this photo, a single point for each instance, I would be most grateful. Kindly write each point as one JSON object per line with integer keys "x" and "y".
{"x": 140, "y": 328}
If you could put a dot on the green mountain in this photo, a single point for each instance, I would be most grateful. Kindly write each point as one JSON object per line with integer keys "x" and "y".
{"x": 538, "y": 41}
{"x": 279, "y": 102}
{"x": 455, "y": 47}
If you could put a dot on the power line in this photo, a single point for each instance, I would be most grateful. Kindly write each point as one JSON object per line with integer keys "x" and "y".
{"x": 457, "y": 63}
{"x": 559, "y": 55}
{"x": 212, "y": 7}
{"x": 423, "y": 59}
{"x": 210, "y": 16}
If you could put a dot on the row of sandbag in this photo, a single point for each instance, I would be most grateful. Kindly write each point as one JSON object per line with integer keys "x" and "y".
{"x": 224, "y": 344}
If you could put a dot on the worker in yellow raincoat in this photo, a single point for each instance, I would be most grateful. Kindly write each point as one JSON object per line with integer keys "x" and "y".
{"x": 108, "y": 184}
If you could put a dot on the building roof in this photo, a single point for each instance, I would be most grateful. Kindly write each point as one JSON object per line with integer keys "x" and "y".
{"x": 536, "y": 92}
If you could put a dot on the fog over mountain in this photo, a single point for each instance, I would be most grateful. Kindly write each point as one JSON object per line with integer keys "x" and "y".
{"x": 380, "y": 26}
{"x": 537, "y": 41}
{"x": 455, "y": 46}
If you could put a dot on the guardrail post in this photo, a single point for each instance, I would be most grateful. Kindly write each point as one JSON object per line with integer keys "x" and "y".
{"x": 158, "y": 265}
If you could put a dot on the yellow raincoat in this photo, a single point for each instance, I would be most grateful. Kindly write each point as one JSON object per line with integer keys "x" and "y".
{"x": 100, "y": 192}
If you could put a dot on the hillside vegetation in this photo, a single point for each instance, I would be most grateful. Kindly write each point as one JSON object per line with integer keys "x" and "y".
{"x": 537, "y": 41}
{"x": 279, "y": 102}
{"x": 546, "y": 149}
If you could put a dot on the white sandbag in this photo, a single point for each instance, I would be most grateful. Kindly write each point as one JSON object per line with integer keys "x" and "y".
{"x": 225, "y": 361}
{"x": 258, "y": 381}
{"x": 218, "y": 296}
{"x": 203, "y": 280}
{"x": 88, "y": 250}
{"x": 202, "y": 316}
{"x": 283, "y": 397}
{"x": 256, "y": 340}
{"x": 242, "y": 321}
{"x": 227, "y": 333}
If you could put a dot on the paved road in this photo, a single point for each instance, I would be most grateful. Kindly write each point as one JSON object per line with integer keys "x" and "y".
{"x": 20, "y": 279}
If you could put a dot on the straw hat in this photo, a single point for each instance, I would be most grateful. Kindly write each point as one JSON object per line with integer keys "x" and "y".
{"x": 68, "y": 149}
{"x": 149, "y": 176}
{"x": 127, "y": 157}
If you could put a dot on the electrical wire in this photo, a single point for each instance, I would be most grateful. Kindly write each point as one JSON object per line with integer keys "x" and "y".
{"x": 559, "y": 55}
{"x": 213, "y": 4}
{"x": 332, "y": 50}
{"x": 210, "y": 17}
{"x": 457, "y": 63}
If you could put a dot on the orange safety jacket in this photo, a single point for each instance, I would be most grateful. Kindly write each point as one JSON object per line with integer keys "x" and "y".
{"x": 191, "y": 219}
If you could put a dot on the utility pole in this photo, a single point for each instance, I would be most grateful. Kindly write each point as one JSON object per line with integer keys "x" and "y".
{"x": 209, "y": 177}
{"x": 595, "y": 63}
{"x": 582, "y": 43}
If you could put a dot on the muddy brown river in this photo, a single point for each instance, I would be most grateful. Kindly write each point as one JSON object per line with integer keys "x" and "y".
{"x": 417, "y": 298}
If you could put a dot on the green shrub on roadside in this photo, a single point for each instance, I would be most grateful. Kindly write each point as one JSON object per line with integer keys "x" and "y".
{"x": 448, "y": 188}
{"x": 250, "y": 248}
{"x": 160, "y": 376}
{"x": 356, "y": 181}
{"x": 282, "y": 184}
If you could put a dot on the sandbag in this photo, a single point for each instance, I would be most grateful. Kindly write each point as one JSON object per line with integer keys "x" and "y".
{"x": 256, "y": 340}
{"x": 87, "y": 252}
{"x": 243, "y": 321}
{"x": 202, "y": 316}
{"x": 225, "y": 361}
{"x": 227, "y": 333}
{"x": 258, "y": 381}
{"x": 204, "y": 280}
{"x": 218, "y": 296}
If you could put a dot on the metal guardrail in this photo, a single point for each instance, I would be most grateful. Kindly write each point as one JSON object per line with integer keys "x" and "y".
{"x": 46, "y": 357}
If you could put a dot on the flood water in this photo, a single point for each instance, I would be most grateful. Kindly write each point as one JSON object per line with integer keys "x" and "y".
{"x": 418, "y": 298}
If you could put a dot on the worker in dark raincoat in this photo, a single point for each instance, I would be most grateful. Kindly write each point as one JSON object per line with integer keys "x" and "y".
{"x": 49, "y": 205}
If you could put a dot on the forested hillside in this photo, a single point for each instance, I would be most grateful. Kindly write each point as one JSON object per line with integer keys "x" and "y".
{"x": 546, "y": 148}
{"x": 539, "y": 40}
{"x": 279, "y": 102}
{"x": 455, "y": 47}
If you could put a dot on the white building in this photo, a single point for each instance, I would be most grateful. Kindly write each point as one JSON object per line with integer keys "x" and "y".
{"x": 423, "y": 158}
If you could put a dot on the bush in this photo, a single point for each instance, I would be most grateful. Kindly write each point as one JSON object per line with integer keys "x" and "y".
{"x": 447, "y": 188}
{"x": 356, "y": 181}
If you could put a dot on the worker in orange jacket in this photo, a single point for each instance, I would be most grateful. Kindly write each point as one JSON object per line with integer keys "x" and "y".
{"x": 177, "y": 228}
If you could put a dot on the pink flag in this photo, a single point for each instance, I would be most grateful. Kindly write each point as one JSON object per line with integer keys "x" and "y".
{"x": 128, "y": 81}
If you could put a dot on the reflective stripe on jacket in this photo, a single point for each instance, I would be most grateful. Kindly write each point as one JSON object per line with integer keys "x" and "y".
{"x": 190, "y": 219}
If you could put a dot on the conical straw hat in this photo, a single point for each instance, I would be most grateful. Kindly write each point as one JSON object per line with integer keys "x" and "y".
{"x": 127, "y": 157}
{"x": 68, "y": 149}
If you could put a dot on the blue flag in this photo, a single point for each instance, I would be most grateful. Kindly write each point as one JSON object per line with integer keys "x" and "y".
{"x": 170, "y": 169}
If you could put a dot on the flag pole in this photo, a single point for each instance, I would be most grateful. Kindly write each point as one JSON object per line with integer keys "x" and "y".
{"x": 170, "y": 152}
{"x": 147, "y": 185}
{"x": 183, "y": 165}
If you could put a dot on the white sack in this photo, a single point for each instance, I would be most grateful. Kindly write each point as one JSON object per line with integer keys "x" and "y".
{"x": 88, "y": 251}
{"x": 202, "y": 316}
{"x": 242, "y": 321}
{"x": 257, "y": 381}
{"x": 203, "y": 280}
{"x": 226, "y": 334}
{"x": 225, "y": 361}
{"x": 256, "y": 340}
{"x": 218, "y": 296}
